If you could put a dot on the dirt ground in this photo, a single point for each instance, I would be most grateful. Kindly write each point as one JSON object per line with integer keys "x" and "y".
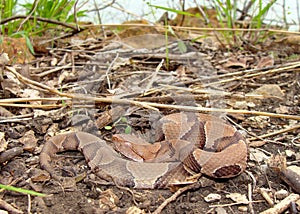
{"x": 260, "y": 84}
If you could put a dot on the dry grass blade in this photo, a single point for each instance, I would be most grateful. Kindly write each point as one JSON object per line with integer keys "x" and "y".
{"x": 149, "y": 105}
{"x": 247, "y": 75}
{"x": 277, "y": 132}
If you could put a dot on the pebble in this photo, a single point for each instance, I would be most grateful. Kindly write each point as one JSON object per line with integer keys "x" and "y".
{"x": 212, "y": 197}
{"x": 243, "y": 208}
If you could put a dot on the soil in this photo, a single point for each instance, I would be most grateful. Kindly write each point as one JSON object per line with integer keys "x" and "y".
{"x": 248, "y": 78}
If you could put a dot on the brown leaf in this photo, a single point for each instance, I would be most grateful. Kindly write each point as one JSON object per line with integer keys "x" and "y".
{"x": 269, "y": 91}
{"x": 29, "y": 141}
{"x": 108, "y": 200}
{"x": 236, "y": 63}
{"x": 265, "y": 62}
{"x": 257, "y": 143}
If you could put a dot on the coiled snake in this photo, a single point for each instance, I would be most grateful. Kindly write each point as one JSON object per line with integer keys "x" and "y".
{"x": 192, "y": 143}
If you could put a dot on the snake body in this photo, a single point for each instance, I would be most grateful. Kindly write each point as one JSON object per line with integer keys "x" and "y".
{"x": 192, "y": 144}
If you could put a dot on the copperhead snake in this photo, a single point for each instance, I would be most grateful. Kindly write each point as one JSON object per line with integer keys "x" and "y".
{"x": 192, "y": 143}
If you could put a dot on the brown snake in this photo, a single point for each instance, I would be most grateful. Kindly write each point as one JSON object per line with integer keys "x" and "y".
{"x": 192, "y": 143}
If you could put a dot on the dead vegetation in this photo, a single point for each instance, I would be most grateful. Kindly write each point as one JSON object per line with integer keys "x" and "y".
{"x": 121, "y": 83}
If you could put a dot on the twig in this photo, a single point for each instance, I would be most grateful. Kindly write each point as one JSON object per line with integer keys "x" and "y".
{"x": 271, "y": 71}
{"x": 283, "y": 205}
{"x": 53, "y": 70}
{"x": 266, "y": 196}
{"x": 277, "y": 132}
{"x": 8, "y": 207}
{"x": 10, "y": 154}
{"x": 109, "y": 69}
{"x": 126, "y": 11}
{"x": 3, "y": 21}
{"x": 203, "y": 14}
{"x": 75, "y": 15}
{"x": 75, "y": 96}
{"x": 53, "y": 106}
{"x": 235, "y": 203}
{"x": 203, "y": 29}
{"x": 154, "y": 75}
{"x": 199, "y": 91}
{"x": 103, "y": 7}
{"x": 174, "y": 196}
{"x": 236, "y": 73}
{"x": 35, "y": 4}
{"x": 232, "y": 111}
{"x": 14, "y": 120}
{"x": 22, "y": 100}
{"x": 294, "y": 139}
{"x": 34, "y": 83}
{"x": 250, "y": 198}
{"x": 29, "y": 204}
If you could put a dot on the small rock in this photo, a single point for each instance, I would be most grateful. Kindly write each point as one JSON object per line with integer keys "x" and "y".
{"x": 243, "y": 208}
{"x": 251, "y": 104}
{"x": 281, "y": 194}
{"x": 212, "y": 197}
{"x": 220, "y": 210}
{"x": 239, "y": 104}
{"x": 53, "y": 61}
{"x": 3, "y": 142}
{"x": 289, "y": 153}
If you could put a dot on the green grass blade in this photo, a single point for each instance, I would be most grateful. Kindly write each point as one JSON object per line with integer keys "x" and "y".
{"x": 20, "y": 190}
{"x": 262, "y": 12}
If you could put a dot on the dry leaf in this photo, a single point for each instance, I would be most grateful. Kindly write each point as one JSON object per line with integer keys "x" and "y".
{"x": 237, "y": 197}
{"x": 236, "y": 63}
{"x": 282, "y": 110}
{"x": 257, "y": 143}
{"x": 3, "y": 142}
{"x": 257, "y": 156}
{"x": 5, "y": 113}
{"x": 11, "y": 83}
{"x": 135, "y": 210}
{"x": 38, "y": 175}
{"x": 268, "y": 91}
{"x": 265, "y": 62}
{"x": 31, "y": 93}
{"x": 108, "y": 200}
{"x": 29, "y": 140}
